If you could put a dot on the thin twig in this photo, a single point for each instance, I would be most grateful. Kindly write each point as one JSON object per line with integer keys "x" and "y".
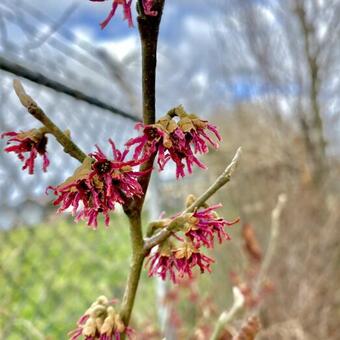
{"x": 227, "y": 316}
{"x": 222, "y": 180}
{"x": 274, "y": 234}
{"x": 33, "y": 108}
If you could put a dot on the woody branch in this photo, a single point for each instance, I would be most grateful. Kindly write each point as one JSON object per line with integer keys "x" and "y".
{"x": 34, "y": 109}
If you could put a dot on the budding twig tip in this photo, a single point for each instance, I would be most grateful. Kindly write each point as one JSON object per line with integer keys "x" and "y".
{"x": 24, "y": 98}
{"x": 237, "y": 155}
{"x": 233, "y": 164}
{"x": 238, "y": 297}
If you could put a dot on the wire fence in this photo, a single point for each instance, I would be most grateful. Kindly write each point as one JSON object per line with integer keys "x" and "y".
{"x": 50, "y": 269}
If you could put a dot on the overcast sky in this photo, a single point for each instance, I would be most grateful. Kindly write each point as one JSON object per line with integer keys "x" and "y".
{"x": 188, "y": 56}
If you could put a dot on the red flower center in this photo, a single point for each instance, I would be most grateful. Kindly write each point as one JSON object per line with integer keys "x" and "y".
{"x": 103, "y": 167}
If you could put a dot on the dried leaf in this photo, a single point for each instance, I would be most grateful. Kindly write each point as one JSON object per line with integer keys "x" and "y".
{"x": 80, "y": 173}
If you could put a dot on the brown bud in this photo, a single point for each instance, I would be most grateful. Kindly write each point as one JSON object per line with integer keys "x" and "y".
{"x": 107, "y": 326}
{"x": 225, "y": 335}
{"x": 190, "y": 200}
{"x": 186, "y": 124}
{"x": 97, "y": 310}
{"x": 90, "y": 327}
{"x": 172, "y": 126}
{"x": 99, "y": 323}
{"x": 67, "y": 133}
{"x": 190, "y": 224}
{"x": 199, "y": 123}
{"x": 167, "y": 124}
{"x": 180, "y": 112}
{"x": 120, "y": 327}
{"x": 167, "y": 142}
{"x": 250, "y": 329}
{"x": 165, "y": 248}
{"x": 164, "y": 121}
{"x": 251, "y": 244}
{"x": 185, "y": 251}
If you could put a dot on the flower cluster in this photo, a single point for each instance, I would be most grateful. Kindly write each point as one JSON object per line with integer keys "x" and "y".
{"x": 126, "y": 4}
{"x": 177, "y": 140}
{"x": 32, "y": 142}
{"x": 200, "y": 229}
{"x": 99, "y": 183}
{"x": 176, "y": 262}
{"x": 100, "y": 321}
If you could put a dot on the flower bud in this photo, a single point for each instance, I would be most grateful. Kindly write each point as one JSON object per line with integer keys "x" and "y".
{"x": 90, "y": 327}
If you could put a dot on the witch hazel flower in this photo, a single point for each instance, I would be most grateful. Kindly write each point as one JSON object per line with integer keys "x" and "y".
{"x": 177, "y": 137}
{"x": 126, "y": 4}
{"x": 162, "y": 263}
{"x": 178, "y": 262}
{"x": 204, "y": 225}
{"x": 98, "y": 185}
{"x": 147, "y": 5}
{"x": 189, "y": 256}
{"x": 33, "y": 143}
{"x": 196, "y": 129}
{"x": 100, "y": 321}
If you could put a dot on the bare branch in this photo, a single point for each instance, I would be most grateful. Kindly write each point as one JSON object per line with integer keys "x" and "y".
{"x": 222, "y": 180}
{"x": 33, "y": 108}
{"x": 274, "y": 234}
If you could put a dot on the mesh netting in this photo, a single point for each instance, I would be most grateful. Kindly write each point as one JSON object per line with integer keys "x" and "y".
{"x": 50, "y": 269}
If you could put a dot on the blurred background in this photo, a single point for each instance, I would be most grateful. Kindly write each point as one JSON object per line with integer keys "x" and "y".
{"x": 267, "y": 73}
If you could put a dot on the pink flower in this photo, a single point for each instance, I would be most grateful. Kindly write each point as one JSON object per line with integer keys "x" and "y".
{"x": 126, "y": 8}
{"x": 147, "y": 5}
{"x": 189, "y": 257}
{"x": 179, "y": 152}
{"x": 99, "y": 183}
{"x": 33, "y": 142}
{"x": 162, "y": 265}
{"x": 205, "y": 224}
{"x": 169, "y": 145}
{"x": 196, "y": 130}
{"x": 177, "y": 263}
{"x": 176, "y": 141}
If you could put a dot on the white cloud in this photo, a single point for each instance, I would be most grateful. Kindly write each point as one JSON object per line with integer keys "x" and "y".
{"x": 120, "y": 48}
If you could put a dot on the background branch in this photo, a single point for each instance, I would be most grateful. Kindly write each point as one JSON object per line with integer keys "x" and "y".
{"x": 227, "y": 316}
{"x": 274, "y": 234}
